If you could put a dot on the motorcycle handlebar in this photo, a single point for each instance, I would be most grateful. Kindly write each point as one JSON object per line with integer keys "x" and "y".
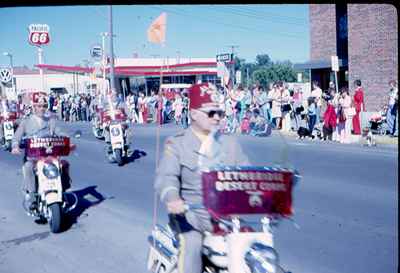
{"x": 228, "y": 223}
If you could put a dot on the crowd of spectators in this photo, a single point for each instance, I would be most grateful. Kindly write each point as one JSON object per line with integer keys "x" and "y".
{"x": 327, "y": 115}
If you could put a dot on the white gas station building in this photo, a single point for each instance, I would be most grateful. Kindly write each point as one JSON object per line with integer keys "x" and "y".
{"x": 131, "y": 74}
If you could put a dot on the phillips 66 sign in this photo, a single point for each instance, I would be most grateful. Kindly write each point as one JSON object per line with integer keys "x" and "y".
{"x": 39, "y": 34}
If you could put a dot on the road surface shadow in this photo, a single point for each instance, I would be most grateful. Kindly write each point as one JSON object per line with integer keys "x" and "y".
{"x": 26, "y": 239}
{"x": 86, "y": 198}
{"x": 135, "y": 155}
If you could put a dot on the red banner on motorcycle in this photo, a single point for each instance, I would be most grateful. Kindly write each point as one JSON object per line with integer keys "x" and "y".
{"x": 47, "y": 146}
{"x": 248, "y": 190}
{"x": 8, "y": 116}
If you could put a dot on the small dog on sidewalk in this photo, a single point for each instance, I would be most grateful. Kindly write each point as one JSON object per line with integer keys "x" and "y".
{"x": 368, "y": 137}
{"x": 303, "y": 132}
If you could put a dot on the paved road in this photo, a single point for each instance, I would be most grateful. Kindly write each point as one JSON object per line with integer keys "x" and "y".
{"x": 346, "y": 207}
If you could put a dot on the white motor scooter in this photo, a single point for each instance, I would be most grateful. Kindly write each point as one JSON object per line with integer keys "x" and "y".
{"x": 234, "y": 246}
{"x": 117, "y": 125}
{"x": 51, "y": 178}
{"x": 8, "y": 120}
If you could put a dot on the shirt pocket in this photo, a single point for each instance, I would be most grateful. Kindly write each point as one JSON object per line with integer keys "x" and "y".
{"x": 190, "y": 161}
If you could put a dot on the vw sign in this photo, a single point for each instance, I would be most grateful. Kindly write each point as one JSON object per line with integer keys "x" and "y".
{"x": 5, "y": 75}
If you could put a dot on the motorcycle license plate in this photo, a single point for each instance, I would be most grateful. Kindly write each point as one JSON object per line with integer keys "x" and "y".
{"x": 8, "y": 130}
{"x": 116, "y": 135}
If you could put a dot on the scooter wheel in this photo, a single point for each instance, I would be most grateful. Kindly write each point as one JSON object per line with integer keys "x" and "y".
{"x": 55, "y": 217}
{"x": 118, "y": 157}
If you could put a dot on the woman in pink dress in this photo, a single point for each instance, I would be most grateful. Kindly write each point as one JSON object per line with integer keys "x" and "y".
{"x": 358, "y": 104}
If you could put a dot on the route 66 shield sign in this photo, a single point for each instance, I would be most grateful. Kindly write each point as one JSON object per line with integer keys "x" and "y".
{"x": 5, "y": 75}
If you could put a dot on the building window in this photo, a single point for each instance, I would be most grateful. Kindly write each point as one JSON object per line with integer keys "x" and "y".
{"x": 209, "y": 78}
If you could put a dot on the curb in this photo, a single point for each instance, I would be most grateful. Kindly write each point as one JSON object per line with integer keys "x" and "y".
{"x": 358, "y": 139}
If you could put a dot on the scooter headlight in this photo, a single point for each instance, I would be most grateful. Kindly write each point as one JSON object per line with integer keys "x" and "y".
{"x": 50, "y": 170}
{"x": 261, "y": 258}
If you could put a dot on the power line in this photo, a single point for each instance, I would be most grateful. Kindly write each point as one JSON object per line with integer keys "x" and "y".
{"x": 237, "y": 27}
{"x": 252, "y": 17}
{"x": 261, "y": 17}
{"x": 249, "y": 9}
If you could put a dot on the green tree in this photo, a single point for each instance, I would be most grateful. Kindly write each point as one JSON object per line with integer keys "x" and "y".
{"x": 263, "y": 60}
{"x": 264, "y": 71}
{"x": 262, "y": 76}
{"x": 284, "y": 71}
{"x": 238, "y": 63}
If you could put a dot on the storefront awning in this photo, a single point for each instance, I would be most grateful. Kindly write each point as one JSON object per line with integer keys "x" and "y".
{"x": 125, "y": 71}
{"x": 318, "y": 64}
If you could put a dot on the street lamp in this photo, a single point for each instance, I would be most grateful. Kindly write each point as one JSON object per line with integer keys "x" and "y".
{"x": 7, "y": 54}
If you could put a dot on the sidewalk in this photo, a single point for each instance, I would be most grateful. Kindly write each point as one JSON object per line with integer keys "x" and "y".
{"x": 358, "y": 139}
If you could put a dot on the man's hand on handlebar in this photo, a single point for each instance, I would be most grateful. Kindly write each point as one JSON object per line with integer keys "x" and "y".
{"x": 176, "y": 206}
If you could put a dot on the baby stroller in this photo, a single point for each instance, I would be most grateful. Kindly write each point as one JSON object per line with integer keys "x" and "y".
{"x": 378, "y": 124}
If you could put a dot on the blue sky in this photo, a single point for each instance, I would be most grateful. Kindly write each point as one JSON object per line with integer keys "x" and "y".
{"x": 281, "y": 31}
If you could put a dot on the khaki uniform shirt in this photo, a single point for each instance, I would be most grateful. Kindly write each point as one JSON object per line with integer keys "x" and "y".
{"x": 179, "y": 173}
{"x": 33, "y": 125}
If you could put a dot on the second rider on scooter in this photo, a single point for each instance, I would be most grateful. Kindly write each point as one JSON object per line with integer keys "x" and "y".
{"x": 178, "y": 180}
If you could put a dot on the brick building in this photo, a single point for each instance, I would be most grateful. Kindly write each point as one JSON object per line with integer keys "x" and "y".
{"x": 365, "y": 39}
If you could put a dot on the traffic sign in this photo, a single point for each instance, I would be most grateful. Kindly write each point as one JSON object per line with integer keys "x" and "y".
{"x": 5, "y": 75}
{"x": 299, "y": 77}
{"x": 226, "y": 57}
{"x": 39, "y": 34}
{"x": 96, "y": 52}
{"x": 335, "y": 63}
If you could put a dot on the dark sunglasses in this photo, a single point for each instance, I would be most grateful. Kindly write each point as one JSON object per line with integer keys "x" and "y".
{"x": 212, "y": 113}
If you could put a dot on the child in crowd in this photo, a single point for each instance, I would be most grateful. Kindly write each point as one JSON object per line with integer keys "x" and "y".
{"x": 258, "y": 124}
{"x": 245, "y": 124}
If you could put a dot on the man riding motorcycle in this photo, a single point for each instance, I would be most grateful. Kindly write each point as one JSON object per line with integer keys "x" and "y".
{"x": 111, "y": 103}
{"x": 3, "y": 108}
{"x": 37, "y": 123}
{"x": 178, "y": 179}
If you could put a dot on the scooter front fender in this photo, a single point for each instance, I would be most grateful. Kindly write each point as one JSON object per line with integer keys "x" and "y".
{"x": 53, "y": 197}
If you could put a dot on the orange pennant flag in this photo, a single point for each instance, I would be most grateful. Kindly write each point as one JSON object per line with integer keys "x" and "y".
{"x": 156, "y": 31}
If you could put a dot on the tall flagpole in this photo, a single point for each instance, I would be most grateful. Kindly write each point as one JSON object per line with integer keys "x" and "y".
{"x": 157, "y": 143}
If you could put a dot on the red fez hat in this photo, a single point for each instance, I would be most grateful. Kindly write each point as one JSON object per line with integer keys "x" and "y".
{"x": 39, "y": 98}
{"x": 204, "y": 95}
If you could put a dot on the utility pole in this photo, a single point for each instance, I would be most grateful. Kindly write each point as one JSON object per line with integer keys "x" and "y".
{"x": 112, "y": 79}
{"x": 247, "y": 77}
{"x": 232, "y": 65}
{"x": 12, "y": 71}
{"x": 40, "y": 55}
{"x": 104, "y": 60}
